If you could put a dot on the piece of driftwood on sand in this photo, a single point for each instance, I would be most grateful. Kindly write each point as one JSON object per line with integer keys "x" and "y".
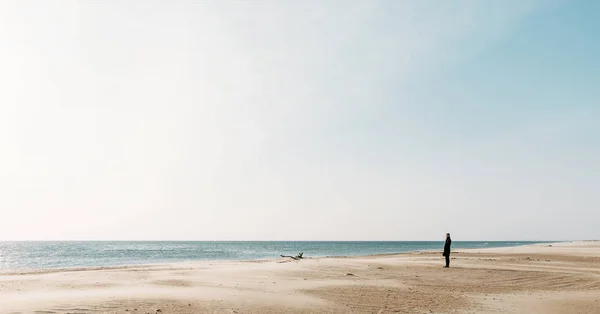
{"x": 297, "y": 257}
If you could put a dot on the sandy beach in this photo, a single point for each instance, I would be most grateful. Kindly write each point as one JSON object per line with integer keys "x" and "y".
{"x": 543, "y": 278}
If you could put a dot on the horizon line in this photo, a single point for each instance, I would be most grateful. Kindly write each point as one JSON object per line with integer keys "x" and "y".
{"x": 88, "y": 240}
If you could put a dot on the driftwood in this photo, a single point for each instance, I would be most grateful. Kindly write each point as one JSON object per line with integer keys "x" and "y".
{"x": 297, "y": 257}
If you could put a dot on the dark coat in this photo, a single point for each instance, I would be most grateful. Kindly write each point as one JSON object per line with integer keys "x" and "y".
{"x": 447, "y": 247}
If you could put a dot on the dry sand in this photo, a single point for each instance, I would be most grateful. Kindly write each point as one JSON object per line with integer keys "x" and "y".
{"x": 561, "y": 278}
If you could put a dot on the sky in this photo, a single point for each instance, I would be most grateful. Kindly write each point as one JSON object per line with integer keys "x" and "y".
{"x": 299, "y": 120}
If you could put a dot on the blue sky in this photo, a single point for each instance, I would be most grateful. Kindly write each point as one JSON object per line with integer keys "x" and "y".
{"x": 336, "y": 120}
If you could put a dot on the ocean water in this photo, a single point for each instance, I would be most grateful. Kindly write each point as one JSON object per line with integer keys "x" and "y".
{"x": 47, "y": 255}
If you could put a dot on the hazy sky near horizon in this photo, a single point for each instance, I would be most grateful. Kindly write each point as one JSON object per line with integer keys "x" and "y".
{"x": 299, "y": 120}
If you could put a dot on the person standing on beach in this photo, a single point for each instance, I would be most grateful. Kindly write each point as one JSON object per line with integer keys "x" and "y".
{"x": 447, "y": 250}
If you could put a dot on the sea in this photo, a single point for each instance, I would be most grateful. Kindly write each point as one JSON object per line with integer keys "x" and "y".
{"x": 51, "y": 255}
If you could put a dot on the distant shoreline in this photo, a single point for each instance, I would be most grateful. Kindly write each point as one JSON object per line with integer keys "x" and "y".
{"x": 149, "y": 264}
